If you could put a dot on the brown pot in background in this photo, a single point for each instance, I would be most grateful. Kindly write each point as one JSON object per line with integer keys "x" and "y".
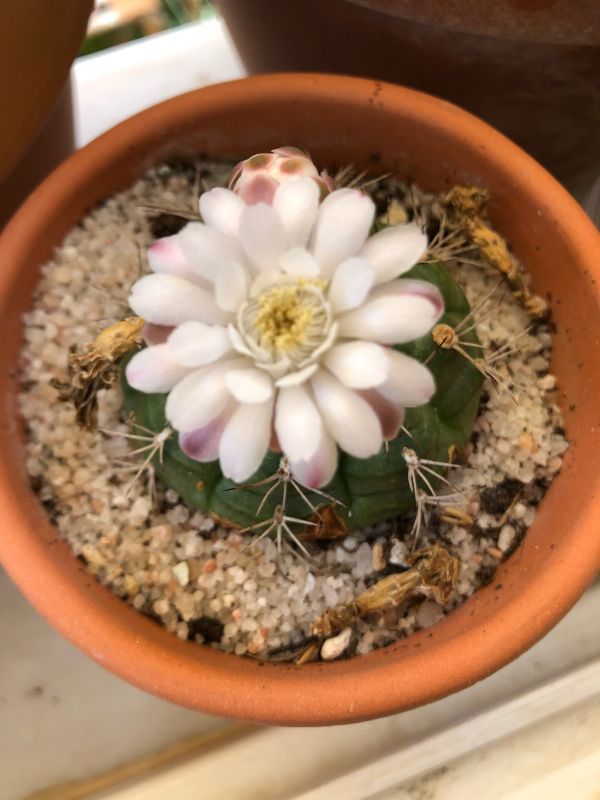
{"x": 38, "y": 42}
{"x": 378, "y": 127}
{"x": 529, "y": 67}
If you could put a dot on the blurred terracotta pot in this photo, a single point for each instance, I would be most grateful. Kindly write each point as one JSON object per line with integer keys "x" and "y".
{"x": 529, "y": 67}
{"x": 38, "y": 42}
{"x": 375, "y": 126}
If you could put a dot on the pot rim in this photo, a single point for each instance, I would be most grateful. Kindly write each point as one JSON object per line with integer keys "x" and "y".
{"x": 388, "y": 680}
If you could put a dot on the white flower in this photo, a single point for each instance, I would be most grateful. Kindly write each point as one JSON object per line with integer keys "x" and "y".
{"x": 270, "y": 327}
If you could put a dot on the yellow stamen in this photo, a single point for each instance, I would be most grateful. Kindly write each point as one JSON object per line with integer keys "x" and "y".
{"x": 283, "y": 319}
{"x": 287, "y": 321}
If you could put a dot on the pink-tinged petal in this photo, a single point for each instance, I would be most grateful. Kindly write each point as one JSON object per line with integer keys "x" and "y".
{"x": 290, "y": 150}
{"x": 350, "y": 284}
{"x": 262, "y": 236}
{"x": 293, "y": 167}
{"x": 156, "y": 334}
{"x": 170, "y": 300}
{"x": 296, "y": 203}
{"x": 235, "y": 174}
{"x": 254, "y": 189}
{"x": 358, "y": 365}
{"x": 395, "y": 312}
{"x": 249, "y": 385}
{"x": 195, "y": 344}
{"x": 166, "y": 256}
{"x": 298, "y": 423}
{"x": 299, "y": 263}
{"x": 297, "y": 378}
{"x": 342, "y": 226}
{"x": 200, "y": 397}
{"x": 202, "y": 444}
{"x": 206, "y": 249}
{"x": 221, "y": 209}
{"x": 274, "y": 443}
{"x": 350, "y": 419}
{"x": 409, "y": 383}
{"x": 154, "y": 371}
{"x": 391, "y": 415}
{"x": 320, "y": 468}
{"x": 231, "y": 286}
{"x": 258, "y": 162}
{"x": 394, "y": 250}
{"x": 245, "y": 441}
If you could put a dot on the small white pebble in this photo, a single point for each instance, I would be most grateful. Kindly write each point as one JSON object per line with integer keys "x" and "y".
{"x": 505, "y": 539}
{"x": 429, "y": 613}
{"x": 334, "y": 647}
{"x": 364, "y": 561}
{"x": 182, "y": 573}
{"x": 398, "y": 553}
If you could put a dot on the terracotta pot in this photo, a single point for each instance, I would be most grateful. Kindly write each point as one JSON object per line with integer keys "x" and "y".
{"x": 529, "y": 67}
{"x": 38, "y": 42}
{"x": 376, "y": 126}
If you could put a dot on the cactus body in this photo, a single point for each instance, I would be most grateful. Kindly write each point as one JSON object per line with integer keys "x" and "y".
{"x": 370, "y": 489}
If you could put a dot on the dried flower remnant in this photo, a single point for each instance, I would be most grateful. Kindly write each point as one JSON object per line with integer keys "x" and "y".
{"x": 433, "y": 573}
{"x": 96, "y": 368}
{"x": 465, "y": 209}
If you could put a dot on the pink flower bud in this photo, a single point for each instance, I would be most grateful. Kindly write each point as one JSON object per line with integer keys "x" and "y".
{"x": 256, "y": 179}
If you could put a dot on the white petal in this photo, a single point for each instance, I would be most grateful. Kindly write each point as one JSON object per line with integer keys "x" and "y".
{"x": 296, "y": 203}
{"x": 221, "y": 209}
{"x": 350, "y": 419}
{"x": 343, "y": 223}
{"x": 299, "y": 377}
{"x": 237, "y": 342}
{"x": 330, "y": 337}
{"x": 245, "y": 441}
{"x": 170, "y": 300}
{"x": 391, "y": 415}
{"x": 206, "y": 249}
{"x": 200, "y": 397}
{"x": 395, "y": 312}
{"x": 195, "y": 344}
{"x": 394, "y": 250}
{"x": 409, "y": 383}
{"x": 202, "y": 444}
{"x": 249, "y": 385}
{"x": 350, "y": 284}
{"x": 266, "y": 278}
{"x": 321, "y": 467}
{"x": 154, "y": 371}
{"x": 166, "y": 256}
{"x": 358, "y": 365}
{"x": 231, "y": 286}
{"x": 299, "y": 263}
{"x": 298, "y": 423}
{"x": 262, "y": 236}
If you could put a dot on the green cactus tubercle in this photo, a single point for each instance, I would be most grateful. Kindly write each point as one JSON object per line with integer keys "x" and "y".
{"x": 369, "y": 490}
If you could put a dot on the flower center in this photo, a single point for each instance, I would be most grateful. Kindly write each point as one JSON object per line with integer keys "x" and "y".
{"x": 286, "y": 322}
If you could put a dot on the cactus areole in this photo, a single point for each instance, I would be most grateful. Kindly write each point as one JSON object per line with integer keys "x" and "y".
{"x": 289, "y": 333}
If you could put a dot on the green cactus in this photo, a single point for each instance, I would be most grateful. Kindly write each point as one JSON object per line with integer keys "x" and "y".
{"x": 370, "y": 489}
